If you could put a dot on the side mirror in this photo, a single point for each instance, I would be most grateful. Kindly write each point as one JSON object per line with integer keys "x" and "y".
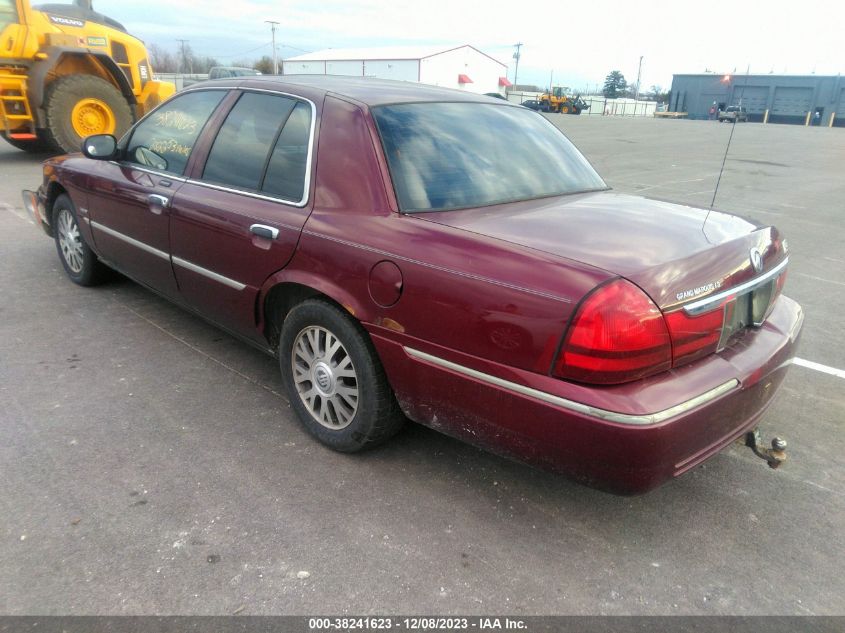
{"x": 100, "y": 147}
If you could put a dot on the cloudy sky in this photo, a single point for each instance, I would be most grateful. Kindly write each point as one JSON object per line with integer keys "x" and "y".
{"x": 578, "y": 41}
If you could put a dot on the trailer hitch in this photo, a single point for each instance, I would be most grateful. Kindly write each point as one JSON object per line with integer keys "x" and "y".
{"x": 773, "y": 456}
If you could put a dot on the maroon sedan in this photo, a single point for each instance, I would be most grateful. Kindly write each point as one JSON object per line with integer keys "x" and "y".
{"x": 411, "y": 251}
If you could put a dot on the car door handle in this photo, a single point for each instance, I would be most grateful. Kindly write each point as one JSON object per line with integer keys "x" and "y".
{"x": 270, "y": 232}
{"x": 157, "y": 203}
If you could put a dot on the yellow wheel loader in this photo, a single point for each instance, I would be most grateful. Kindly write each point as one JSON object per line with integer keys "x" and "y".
{"x": 558, "y": 101}
{"x": 67, "y": 72}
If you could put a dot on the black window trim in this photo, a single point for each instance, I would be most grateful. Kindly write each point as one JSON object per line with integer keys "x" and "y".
{"x": 309, "y": 160}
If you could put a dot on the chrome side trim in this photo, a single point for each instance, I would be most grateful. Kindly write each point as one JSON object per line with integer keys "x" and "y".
{"x": 610, "y": 416}
{"x": 130, "y": 240}
{"x": 703, "y": 305}
{"x": 184, "y": 263}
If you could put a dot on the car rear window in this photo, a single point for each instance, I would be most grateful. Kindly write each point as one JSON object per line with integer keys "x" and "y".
{"x": 458, "y": 155}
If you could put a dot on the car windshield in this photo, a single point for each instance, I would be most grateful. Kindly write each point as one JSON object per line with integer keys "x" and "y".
{"x": 457, "y": 155}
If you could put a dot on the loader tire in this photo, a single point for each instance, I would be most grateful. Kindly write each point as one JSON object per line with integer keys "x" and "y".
{"x": 77, "y": 106}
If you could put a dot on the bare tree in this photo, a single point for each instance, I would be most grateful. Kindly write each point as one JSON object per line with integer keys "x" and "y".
{"x": 658, "y": 94}
{"x": 264, "y": 65}
{"x": 204, "y": 64}
{"x": 161, "y": 59}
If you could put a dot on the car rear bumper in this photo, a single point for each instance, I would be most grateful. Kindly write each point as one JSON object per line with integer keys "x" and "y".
{"x": 624, "y": 439}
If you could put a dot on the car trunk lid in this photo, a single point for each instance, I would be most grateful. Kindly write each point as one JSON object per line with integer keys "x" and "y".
{"x": 677, "y": 254}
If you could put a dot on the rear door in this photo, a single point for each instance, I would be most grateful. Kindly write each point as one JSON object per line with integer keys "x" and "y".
{"x": 238, "y": 219}
{"x": 129, "y": 201}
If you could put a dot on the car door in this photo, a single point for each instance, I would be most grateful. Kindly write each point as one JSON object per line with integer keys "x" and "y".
{"x": 129, "y": 200}
{"x": 238, "y": 219}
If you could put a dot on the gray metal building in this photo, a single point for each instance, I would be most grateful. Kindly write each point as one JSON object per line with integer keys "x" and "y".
{"x": 787, "y": 98}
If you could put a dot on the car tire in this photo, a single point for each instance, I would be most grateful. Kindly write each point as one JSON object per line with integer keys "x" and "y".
{"x": 334, "y": 379}
{"x": 79, "y": 261}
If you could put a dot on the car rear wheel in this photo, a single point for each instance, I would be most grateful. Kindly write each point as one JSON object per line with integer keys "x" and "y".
{"x": 79, "y": 261}
{"x": 334, "y": 379}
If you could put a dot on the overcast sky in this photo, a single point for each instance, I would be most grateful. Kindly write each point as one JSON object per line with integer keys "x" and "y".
{"x": 580, "y": 41}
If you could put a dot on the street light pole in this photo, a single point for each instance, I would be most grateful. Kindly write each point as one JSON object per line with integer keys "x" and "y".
{"x": 273, "y": 26}
{"x": 639, "y": 74}
{"x": 516, "y": 56}
{"x": 183, "y": 63}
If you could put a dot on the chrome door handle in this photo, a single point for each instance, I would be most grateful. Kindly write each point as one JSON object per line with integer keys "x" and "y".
{"x": 157, "y": 203}
{"x": 270, "y": 232}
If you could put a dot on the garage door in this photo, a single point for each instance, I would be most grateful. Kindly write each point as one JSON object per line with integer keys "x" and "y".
{"x": 839, "y": 121}
{"x": 792, "y": 101}
{"x": 754, "y": 98}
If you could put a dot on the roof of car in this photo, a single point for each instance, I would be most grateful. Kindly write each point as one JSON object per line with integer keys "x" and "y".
{"x": 367, "y": 90}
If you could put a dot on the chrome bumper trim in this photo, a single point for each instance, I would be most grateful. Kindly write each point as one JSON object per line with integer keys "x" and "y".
{"x": 703, "y": 305}
{"x": 129, "y": 240}
{"x": 184, "y": 263}
{"x": 603, "y": 414}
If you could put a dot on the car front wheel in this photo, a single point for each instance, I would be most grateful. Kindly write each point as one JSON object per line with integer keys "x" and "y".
{"x": 79, "y": 261}
{"x": 334, "y": 379}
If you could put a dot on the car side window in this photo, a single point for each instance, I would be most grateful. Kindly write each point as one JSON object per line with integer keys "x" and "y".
{"x": 164, "y": 140}
{"x": 263, "y": 147}
{"x": 240, "y": 151}
{"x": 286, "y": 175}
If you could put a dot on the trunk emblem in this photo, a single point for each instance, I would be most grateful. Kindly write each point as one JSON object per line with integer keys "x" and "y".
{"x": 756, "y": 260}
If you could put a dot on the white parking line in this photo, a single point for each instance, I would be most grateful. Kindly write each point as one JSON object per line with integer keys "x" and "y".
{"x": 839, "y": 373}
{"x": 830, "y": 281}
{"x": 22, "y": 214}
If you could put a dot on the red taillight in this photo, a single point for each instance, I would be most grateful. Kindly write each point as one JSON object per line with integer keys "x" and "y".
{"x": 694, "y": 336}
{"x": 617, "y": 335}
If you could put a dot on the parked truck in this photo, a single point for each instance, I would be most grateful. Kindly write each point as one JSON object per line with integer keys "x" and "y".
{"x": 67, "y": 72}
{"x": 558, "y": 101}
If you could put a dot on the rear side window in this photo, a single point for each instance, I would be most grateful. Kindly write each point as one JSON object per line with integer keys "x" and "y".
{"x": 286, "y": 171}
{"x": 263, "y": 147}
{"x": 164, "y": 140}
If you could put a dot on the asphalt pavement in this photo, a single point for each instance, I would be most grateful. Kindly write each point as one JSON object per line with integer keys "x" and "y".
{"x": 151, "y": 465}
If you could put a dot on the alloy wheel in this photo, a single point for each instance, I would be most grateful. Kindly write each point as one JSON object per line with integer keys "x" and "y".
{"x": 70, "y": 240}
{"x": 325, "y": 377}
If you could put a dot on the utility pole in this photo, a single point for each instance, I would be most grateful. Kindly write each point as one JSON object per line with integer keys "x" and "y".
{"x": 639, "y": 74}
{"x": 182, "y": 65}
{"x": 516, "y": 56}
{"x": 273, "y": 26}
